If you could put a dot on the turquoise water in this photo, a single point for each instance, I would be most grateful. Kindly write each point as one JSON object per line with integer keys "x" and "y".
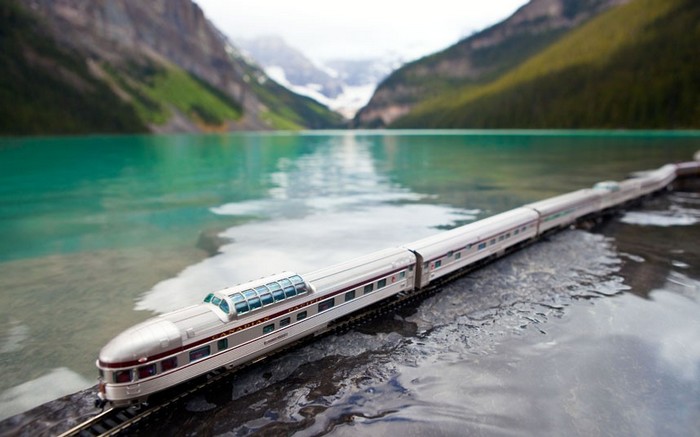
{"x": 99, "y": 233}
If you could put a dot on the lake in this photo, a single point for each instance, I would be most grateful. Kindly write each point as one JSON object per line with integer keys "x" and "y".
{"x": 584, "y": 333}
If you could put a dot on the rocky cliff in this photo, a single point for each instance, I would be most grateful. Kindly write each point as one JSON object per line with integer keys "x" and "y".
{"x": 167, "y": 61}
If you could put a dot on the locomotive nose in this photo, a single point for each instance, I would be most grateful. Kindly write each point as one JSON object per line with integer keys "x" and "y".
{"x": 138, "y": 343}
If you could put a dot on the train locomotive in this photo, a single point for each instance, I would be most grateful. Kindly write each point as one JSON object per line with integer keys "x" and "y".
{"x": 236, "y": 325}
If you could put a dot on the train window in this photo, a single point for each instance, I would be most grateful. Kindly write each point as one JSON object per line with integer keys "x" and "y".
{"x": 350, "y": 295}
{"x": 296, "y": 279}
{"x": 249, "y": 294}
{"x": 222, "y": 344}
{"x": 508, "y": 235}
{"x": 290, "y": 291}
{"x": 274, "y": 286}
{"x": 459, "y": 255}
{"x": 426, "y": 264}
{"x": 260, "y": 290}
{"x": 266, "y": 298}
{"x": 168, "y": 364}
{"x": 284, "y": 322}
{"x": 146, "y": 371}
{"x": 438, "y": 264}
{"x": 517, "y": 231}
{"x": 224, "y": 306}
{"x": 301, "y": 316}
{"x": 402, "y": 274}
{"x": 254, "y": 303}
{"x": 122, "y": 376}
{"x": 469, "y": 246}
{"x": 524, "y": 228}
{"x": 208, "y": 298}
{"x": 301, "y": 288}
{"x": 410, "y": 268}
{"x": 216, "y": 301}
{"x": 326, "y": 305}
{"x": 482, "y": 246}
{"x": 381, "y": 283}
{"x": 450, "y": 253}
{"x": 268, "y": 328}
{"x": 501, "y": 238}
{"x": 200, "y": 353}
{"x": 242, "y": 307}
{"x": 369, "y": 288}
{"x": 278, "y": 295}
{"x": 492, "y": 242}
{"x": 285, "y": 282}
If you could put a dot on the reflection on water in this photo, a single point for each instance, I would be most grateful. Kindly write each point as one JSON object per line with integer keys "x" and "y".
{"x": 326, "y": 207}
{"x": 97, "y": 233}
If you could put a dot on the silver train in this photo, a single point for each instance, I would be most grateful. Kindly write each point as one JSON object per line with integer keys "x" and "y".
{"x": 241, "y": 323}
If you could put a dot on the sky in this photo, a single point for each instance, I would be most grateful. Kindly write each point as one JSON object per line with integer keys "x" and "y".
{"x": 358, "y": 29}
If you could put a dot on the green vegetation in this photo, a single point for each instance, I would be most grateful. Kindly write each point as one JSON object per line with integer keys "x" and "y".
{"x": 635, "y": 66}
{"x": 44, "y": 88}
{"x": 155, "y": 90}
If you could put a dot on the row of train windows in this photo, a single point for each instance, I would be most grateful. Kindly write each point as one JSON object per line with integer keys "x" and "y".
{"x": 330, "y": 303}
{"x": 480, "y": 246}
{"x": 168, "y": 363}
{"x": 284, "y": 322}
{"x": 503, "y": 237}
{"x": 559, "y": 214}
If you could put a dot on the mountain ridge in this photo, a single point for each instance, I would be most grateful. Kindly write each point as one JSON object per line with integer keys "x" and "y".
{"x": 477, "y": 58}
{"x": 343, "y": 85}
{"x": 163, "y": 59}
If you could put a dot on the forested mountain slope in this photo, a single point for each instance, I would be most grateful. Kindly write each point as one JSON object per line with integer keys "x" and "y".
{"x": 479, "y": 58}
{"x": 635, "y": 66}
{"x": 80, "y": 66}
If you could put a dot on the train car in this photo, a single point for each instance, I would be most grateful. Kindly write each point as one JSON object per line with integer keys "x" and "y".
{"x": 563, "y": 210}
{"x": 241, "y": 323}
{"x": 231, "y": 326}
{"x": 452, "y": 250}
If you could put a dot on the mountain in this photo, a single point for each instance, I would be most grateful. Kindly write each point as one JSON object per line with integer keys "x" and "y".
{"x": 76, "y": 66}
{"x": 343, "y": 85}
{"x": 478, "y": 58}
{"x": 636, "y": 66}
{"x": 290, "y": 64}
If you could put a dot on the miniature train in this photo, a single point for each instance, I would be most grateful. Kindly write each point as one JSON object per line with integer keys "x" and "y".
{"x": 239, "y": 324}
